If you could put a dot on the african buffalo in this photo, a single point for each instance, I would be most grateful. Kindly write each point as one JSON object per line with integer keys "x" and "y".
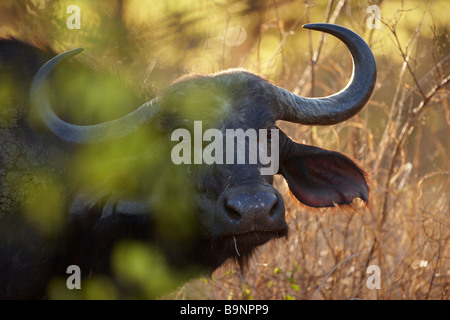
{"x": 129, "y": 187}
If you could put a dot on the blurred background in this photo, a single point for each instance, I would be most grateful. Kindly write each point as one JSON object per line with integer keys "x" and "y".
{"x": 401, "y": 137}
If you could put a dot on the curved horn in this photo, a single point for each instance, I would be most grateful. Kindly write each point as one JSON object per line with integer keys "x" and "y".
{"x": 342, "y": 105}
{"x": 83, "y": 133}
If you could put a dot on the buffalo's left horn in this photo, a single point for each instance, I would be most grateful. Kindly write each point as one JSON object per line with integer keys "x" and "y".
{"x": 342, "y": 105}
{"x": 83, "y": 133}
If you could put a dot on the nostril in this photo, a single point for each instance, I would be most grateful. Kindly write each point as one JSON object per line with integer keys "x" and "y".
{"x": 273, "y": 206}
{"x": 233, "y": 212}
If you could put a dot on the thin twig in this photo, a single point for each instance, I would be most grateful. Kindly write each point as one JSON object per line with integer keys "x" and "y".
{"x": 332, "y": 270}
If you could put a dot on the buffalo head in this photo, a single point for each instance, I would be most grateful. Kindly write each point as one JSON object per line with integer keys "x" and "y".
{"x": 236, "y": 207}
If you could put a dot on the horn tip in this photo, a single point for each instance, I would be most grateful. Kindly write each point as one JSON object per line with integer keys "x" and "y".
{"x": 311, "y": 25}
{"x": 318, "y": 26}
{"x": 71, "y": 53}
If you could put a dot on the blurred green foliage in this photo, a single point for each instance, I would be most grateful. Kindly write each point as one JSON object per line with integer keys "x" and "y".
{"x": 43, "y": 207}
{"x": 142, "y": 267}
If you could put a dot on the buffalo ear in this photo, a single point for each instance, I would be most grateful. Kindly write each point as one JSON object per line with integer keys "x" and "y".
{"x": 323, "y": 178}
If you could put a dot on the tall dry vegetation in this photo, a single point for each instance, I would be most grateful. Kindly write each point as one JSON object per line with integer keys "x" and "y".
{"x": 402, "y": 139}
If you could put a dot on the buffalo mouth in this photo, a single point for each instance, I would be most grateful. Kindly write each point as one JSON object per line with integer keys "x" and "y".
{"x": 240, "y": 247}
{"x": 248, "y": 241}
{"x": 234, "y": 247}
